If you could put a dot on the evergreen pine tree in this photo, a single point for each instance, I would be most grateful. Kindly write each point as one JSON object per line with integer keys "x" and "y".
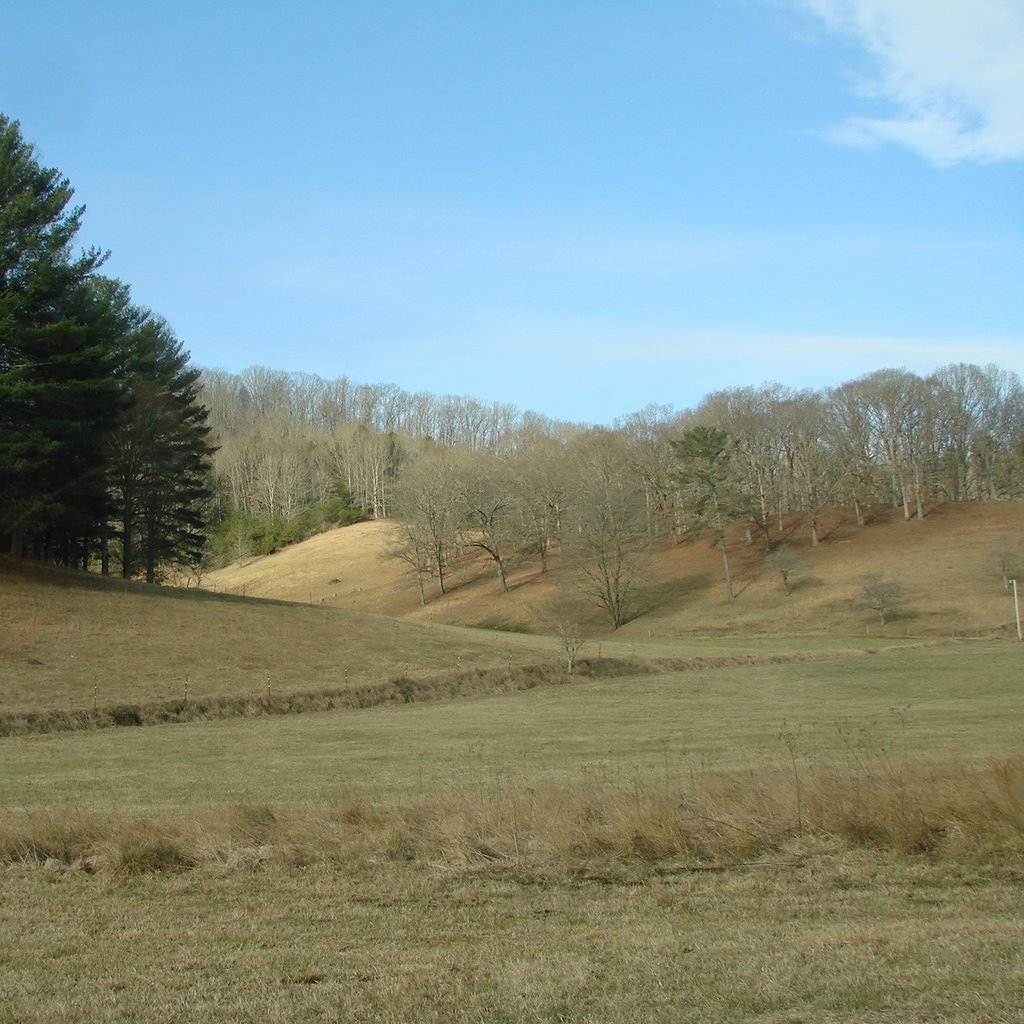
{"x": 58, "y": 397}
{"x": 99, "y": 414}
{"x": 159, "y": 454}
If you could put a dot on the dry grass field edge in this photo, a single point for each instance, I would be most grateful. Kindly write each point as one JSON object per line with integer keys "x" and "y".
{"x": 954, "y": 811}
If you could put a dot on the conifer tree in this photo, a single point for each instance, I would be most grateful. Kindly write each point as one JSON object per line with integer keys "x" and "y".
{"x": 710, "y": 485}
{"x": 100, "y": 419}
{"x": 159, "y": 454}
{"x": 58, "y": 396}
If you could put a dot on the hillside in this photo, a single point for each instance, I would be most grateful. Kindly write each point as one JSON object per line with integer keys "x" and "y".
{"x": 347, "y": 613}
{"x": 72, "y": 640}
{"x": 826, "y": 810}
{"x": 946, "y": 564}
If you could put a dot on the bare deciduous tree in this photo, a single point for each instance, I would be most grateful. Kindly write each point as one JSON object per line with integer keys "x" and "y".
{"x": 544, "y": 482}
{"x": 571, "y": 642}
{"x": 609, "y": 530}
{"x": 784, "y": 562}
{"x": 488, "y": 503}
{"x": 882, "y": 595}
{"x": 426, "y": 502}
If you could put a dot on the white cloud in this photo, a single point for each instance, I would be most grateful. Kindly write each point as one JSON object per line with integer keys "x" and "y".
{"x": 953, "y": 71}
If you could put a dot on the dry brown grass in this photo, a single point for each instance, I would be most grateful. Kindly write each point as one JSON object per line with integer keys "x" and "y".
{"x": 966, "y": 814}
{"x": 77, "y": 642}
{"x": 405, "y": 688}
{"x": 538, "y": 857}
{"x": 347, "y": 568}
{"x": 947, "y": 564}
{"x": 847, "y": 938}
{"x": 543, "y": 856}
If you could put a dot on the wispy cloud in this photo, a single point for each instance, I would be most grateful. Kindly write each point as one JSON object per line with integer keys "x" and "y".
{"x": 952, "y": 71}
{"x": 751, "y": 354}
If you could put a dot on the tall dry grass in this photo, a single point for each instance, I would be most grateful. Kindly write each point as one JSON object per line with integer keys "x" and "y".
{"x": 953, "y": 811}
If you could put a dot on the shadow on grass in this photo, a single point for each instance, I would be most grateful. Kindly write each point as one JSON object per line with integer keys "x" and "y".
{"x": 77, "y": 579}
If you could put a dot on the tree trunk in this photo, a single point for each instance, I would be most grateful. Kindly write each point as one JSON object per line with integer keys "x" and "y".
{"x": 725, "y": 568}
{"x": 499, "y": 566}
{"x": 903, "y": 496}
{"x": 439, "y": 566}
{"x": 151, "y": 552}
{"x": 127, "y": 547}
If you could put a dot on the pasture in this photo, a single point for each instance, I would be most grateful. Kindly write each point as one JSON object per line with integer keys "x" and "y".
{"x": 930, "y": 704}
{"x": 813, "y": 840}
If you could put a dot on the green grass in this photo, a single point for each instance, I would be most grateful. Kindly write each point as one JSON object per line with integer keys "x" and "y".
{"x": 934, "y": 704}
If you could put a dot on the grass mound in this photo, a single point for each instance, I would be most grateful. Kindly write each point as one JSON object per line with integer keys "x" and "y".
{"x": 400, "y": 689}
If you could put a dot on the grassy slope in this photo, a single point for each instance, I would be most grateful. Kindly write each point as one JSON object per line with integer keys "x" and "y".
{"x": 66, "y": 639}
{"x": 69, "y": 640}
{"x": 946, "y": 563}
{"x": 365, "y": 866}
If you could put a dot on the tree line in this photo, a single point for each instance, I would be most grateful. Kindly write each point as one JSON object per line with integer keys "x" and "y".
{"x": 104, "y": 447}
{"x": 518, "y": 487}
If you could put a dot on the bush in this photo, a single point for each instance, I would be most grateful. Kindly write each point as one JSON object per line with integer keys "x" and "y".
{"x": 239, "y": 535}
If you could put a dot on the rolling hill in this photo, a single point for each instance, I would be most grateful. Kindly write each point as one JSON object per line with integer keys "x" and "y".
{"x": 947, "y": 565}
{"x": 848, "y": 804}
{"x": 338, "y": 612}
{"x": 74, "y": 640}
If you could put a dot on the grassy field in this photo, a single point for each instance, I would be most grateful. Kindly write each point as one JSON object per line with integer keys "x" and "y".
{"x": 848, "y": 939}
{"x": 833, "y": 837}
{"x": 632, "y": 849}
{"x": 931, "y": 704}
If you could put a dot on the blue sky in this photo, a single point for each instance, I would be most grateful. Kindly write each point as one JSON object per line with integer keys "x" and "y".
{"x": 576, "y": 207}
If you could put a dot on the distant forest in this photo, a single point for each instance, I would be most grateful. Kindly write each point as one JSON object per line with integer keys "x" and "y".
{"x": 296, "y": 452}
